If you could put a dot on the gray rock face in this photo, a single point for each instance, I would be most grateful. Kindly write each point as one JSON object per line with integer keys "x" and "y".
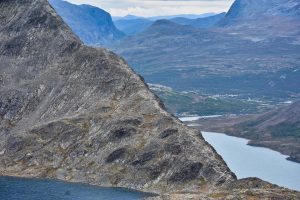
{"x": 93, "y": 25}
{"x": 71, "y": 112}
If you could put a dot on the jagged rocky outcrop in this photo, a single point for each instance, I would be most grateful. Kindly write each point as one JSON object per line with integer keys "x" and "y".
{"x": 77, "y": 113}
{"x": 93, "y": 25}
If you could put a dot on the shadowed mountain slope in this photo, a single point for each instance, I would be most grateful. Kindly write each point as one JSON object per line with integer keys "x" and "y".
{"x": 93, "y": 25}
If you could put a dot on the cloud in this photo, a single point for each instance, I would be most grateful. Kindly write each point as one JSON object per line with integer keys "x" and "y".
{"x": 158, "y": 7}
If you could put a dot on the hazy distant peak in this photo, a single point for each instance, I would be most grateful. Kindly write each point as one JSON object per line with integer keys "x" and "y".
{"x": 164, "y": 22}
{"x": 255, "y": 9}
{"x": 252, "y": 8}
{"x": 168, "y": 27}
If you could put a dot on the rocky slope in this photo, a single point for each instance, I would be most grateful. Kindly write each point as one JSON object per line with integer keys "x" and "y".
{"x": 244, "y": 189}
{"x": 93, "y": 25}
{"x": 76, "y": 113}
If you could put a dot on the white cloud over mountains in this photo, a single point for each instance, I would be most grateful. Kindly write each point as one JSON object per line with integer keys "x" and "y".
{"x": 149, "y": 8}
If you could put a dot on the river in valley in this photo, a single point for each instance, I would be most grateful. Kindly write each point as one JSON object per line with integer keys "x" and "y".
{"x": 248, "y": 161}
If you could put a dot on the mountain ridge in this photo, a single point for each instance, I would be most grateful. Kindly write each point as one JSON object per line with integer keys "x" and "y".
{"x": 81, "y": 114}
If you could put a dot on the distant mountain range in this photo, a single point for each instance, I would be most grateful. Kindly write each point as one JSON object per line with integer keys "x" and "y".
{"x": 206, "y": 22}
{"x": 154, "y": 18}
{"x": 93, "y": 25}
{"x": 214, "y": 61}
{"x": 231, "y": 59}
{"x": 249, "y": 9}
{"x": 132, "y": 25}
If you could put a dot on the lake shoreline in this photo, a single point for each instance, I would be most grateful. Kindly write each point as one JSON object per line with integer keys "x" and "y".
{"x": 227, "y": 125}
{"x": 66, "y": 187}
{"x": 249, "y": 161}
{"x": 270, "y": 144}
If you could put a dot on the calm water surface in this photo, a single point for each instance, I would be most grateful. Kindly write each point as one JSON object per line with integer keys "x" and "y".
{"x": 195, "y": 118}
{"x": 247, "y": 161}
{"x": 36, "y": 189}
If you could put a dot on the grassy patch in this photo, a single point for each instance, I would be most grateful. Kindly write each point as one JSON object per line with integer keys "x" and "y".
{"x": 193, "y": 103}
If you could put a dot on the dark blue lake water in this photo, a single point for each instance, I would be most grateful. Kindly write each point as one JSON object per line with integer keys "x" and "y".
{"x": 36, "y": 189}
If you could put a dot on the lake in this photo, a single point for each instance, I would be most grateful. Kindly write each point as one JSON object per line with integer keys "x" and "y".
{"x": 248, "y": 161}
{"x": 196, "y": 117}
{"x": 37, "y": 189}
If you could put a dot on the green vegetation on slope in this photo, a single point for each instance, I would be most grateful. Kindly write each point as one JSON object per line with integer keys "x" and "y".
{"x": 192, "y": 103}
{"x": 286, "y": 130}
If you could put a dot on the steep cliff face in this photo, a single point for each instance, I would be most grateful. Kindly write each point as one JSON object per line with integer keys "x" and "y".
{"x": 72, "y": 112}
{"x": 93, "y": 25}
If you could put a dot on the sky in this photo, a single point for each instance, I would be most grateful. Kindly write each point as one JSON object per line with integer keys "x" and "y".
{"x": 148, "y": 8}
